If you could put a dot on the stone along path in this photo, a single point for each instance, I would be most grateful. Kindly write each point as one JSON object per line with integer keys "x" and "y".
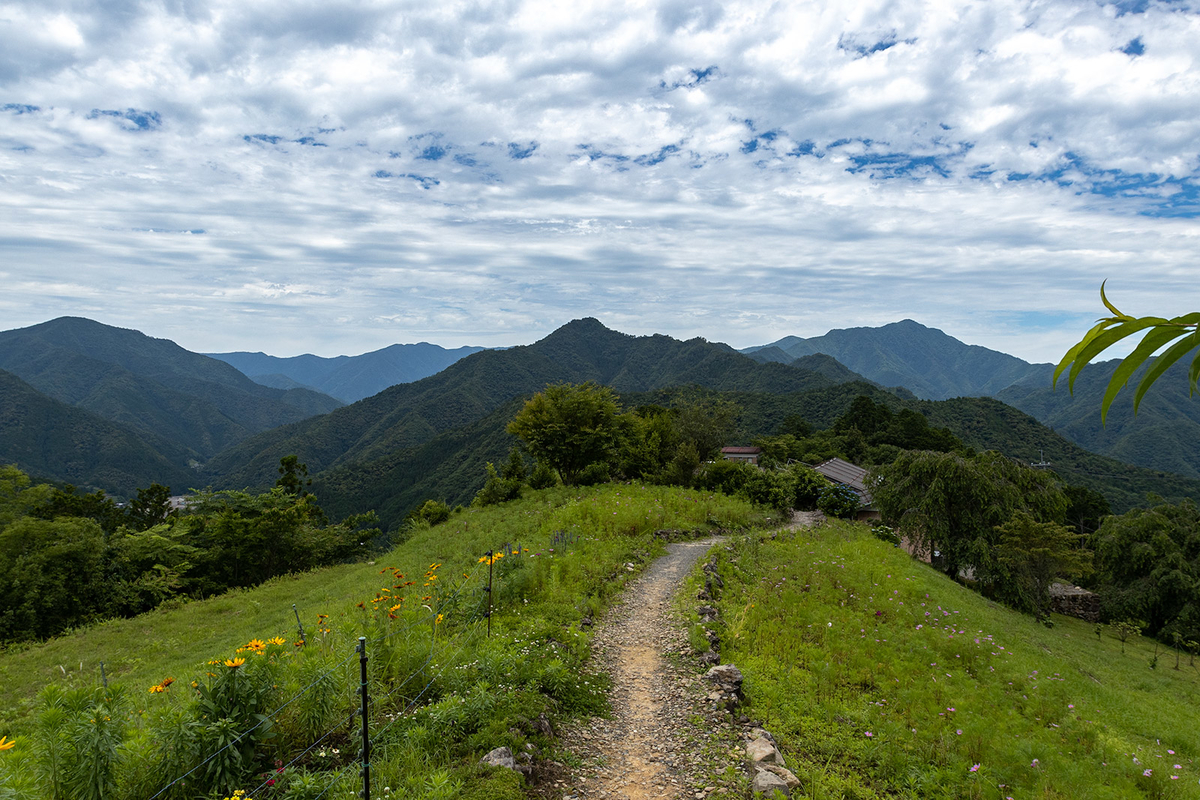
{"x": 664, "y": 739}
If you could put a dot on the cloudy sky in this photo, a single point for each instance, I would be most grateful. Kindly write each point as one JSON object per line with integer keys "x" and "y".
{"x": 335, "y": 176}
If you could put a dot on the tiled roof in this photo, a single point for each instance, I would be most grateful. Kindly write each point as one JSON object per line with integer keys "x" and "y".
{"x": 745, "y": 451}
{"x": 843, "y": 472}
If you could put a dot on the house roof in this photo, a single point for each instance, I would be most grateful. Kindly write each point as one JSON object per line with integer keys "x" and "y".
{"x": 843, "y": 472}
{"x": 742, "y": 451}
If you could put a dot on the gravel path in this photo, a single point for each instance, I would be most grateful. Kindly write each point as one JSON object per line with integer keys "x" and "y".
{"x": 664, "y": 739}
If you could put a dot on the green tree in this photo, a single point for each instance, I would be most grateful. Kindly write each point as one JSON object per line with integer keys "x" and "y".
{"x": 1182, "y": 334}
{"x": 18, "y": 496}
{"x": 151, "y": 507}
{"x": 1148, "y": 567}
{"x": 70, "y": 502}
{"x": 951, "y": 505}
{"x": 570, "y": 427}
{"x": 1036, "y": 553}
{"x": 293, "y": 476}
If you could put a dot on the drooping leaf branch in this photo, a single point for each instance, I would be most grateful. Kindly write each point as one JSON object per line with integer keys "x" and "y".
{"x": 1181, "y": 333}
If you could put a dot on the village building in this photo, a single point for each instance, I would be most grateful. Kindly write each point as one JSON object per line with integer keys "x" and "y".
{"x": 750, "y": 455}
{"x": 835, "y": 470}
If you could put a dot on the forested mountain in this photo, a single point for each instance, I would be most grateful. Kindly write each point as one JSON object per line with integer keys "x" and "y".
{"x": 450, "y": 466}
{"x": 348, "y": 378}
{"x": 1165, "y": 434}
{"x": 152, "y": 385}
{"x": 52, "y": 440}
{"x": 411, "y": 414}
{"x": 926, "y": 361}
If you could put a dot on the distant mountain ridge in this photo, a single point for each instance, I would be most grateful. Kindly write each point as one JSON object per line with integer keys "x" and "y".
{"x": 410, "y": 414}
{"x": 931, "y": 364}
{"x": 348, "y": 378}
{"x": 152, "y": 385}
{"x": 1165, "y": 434}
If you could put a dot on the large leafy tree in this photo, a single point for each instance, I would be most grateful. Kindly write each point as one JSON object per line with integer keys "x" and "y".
{"x": 570, "y": 427}
{"x": 951, "y": 504}
{"x": 1179, "y": 335}
{"x": 1035, "y": 554}
{"x": 1148, "y": 567}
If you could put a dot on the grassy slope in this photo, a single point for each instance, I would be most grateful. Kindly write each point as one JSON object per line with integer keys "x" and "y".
{"x": 142, "y": 651}
{"x": 870, "y": 697}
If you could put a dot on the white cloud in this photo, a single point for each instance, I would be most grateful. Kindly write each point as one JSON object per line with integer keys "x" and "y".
{"x": 334, "y": 177}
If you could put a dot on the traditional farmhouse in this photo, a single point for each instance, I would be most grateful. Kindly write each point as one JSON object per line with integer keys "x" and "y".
{"x": 750, "y": 455}
{"x": 838, "y": 471}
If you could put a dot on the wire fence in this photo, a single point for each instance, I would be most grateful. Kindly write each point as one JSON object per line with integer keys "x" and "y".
{"x": 443, "y": 653}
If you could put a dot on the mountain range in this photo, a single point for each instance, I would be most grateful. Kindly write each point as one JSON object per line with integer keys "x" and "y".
{"x": 1164, "y": 435}
{"x": 110, "y": 408}
{"x": 348, "y": 378}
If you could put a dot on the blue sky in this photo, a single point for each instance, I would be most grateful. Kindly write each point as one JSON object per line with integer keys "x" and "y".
{"x": 333, "y": 176}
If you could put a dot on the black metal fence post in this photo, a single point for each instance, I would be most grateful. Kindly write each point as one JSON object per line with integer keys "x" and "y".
{"x": 491, "y": 561}
{"x": 103, "y": 677}
{"x": 366, "y": 735}
{"x": 299, "y": 624}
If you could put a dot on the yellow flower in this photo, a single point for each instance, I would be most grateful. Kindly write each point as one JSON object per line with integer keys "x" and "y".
{"x": 257, "y": 645}
{"x": 5, "y": 744}
{"x": 440, "y": 617}
{"x": 234, "y": 663}
{"x": 277, "y": 640}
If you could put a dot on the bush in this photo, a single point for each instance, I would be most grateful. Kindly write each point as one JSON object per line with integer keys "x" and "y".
{"x": 497, "y": 489}
{"x": 837, "y": 500}
{"x": 593, "y": 474}
{"x": 808, "y": 486}
{"x": 543, "y": 476}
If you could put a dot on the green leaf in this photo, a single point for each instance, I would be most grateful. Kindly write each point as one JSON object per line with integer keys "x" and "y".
{"x": 1107, "y": 339}
{"x": 1164, "y": 362}
{"x": 1193, "y": 374}
{"x": 1149, "y": 345}
{"x": 1109, "y": 305}
{"x": 1095, "y": 331}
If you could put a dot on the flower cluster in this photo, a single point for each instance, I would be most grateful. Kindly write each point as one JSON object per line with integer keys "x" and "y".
{"x": 159, "y": 688}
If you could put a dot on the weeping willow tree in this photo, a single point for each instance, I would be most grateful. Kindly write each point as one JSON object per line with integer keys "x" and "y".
{"x": 1179, "y": 335}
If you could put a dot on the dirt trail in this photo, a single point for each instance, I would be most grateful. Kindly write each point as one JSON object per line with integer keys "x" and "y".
{"x": 658, "y": 743}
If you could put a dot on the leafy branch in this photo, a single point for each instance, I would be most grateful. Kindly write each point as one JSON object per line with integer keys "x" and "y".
{"x": 1160, "y": 332}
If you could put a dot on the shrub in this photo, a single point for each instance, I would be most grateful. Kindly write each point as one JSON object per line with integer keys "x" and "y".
{"x": 543, "y": 476}
{"x": 497, "y": 489}
{"x": 837, "y": 500}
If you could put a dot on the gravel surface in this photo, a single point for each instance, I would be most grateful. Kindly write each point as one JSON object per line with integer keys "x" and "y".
{"x": 665, "y": 738}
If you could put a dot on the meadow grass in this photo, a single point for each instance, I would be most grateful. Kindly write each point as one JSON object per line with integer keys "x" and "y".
{"x": 444, "y": 692}
{"x": 881, "y": 677}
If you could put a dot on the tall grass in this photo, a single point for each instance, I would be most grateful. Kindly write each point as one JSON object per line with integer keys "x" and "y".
{"x": 882, "y": 678}
{"x": 218, "y": 695}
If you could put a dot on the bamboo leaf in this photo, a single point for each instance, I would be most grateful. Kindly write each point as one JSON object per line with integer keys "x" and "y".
{"x": 1106, "y": 340}
{"x": 1110, "y": 306}
{"x": 1161, "y": 365}
{"x": 1074, "y": 351}
{"x": 1193, "y": 374}
{"x": 1150, "y": 344}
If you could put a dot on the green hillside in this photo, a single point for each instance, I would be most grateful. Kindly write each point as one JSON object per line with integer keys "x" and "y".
{"x": 881, "y": 678}
{"x": 408, "y": 415}
{"x": 56, "y": 441}
{"x": 150, "y": 384}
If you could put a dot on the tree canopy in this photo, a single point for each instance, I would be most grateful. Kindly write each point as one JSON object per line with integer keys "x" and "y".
{"x": 570, "y": 427}
{"x": 951, "y": 504}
